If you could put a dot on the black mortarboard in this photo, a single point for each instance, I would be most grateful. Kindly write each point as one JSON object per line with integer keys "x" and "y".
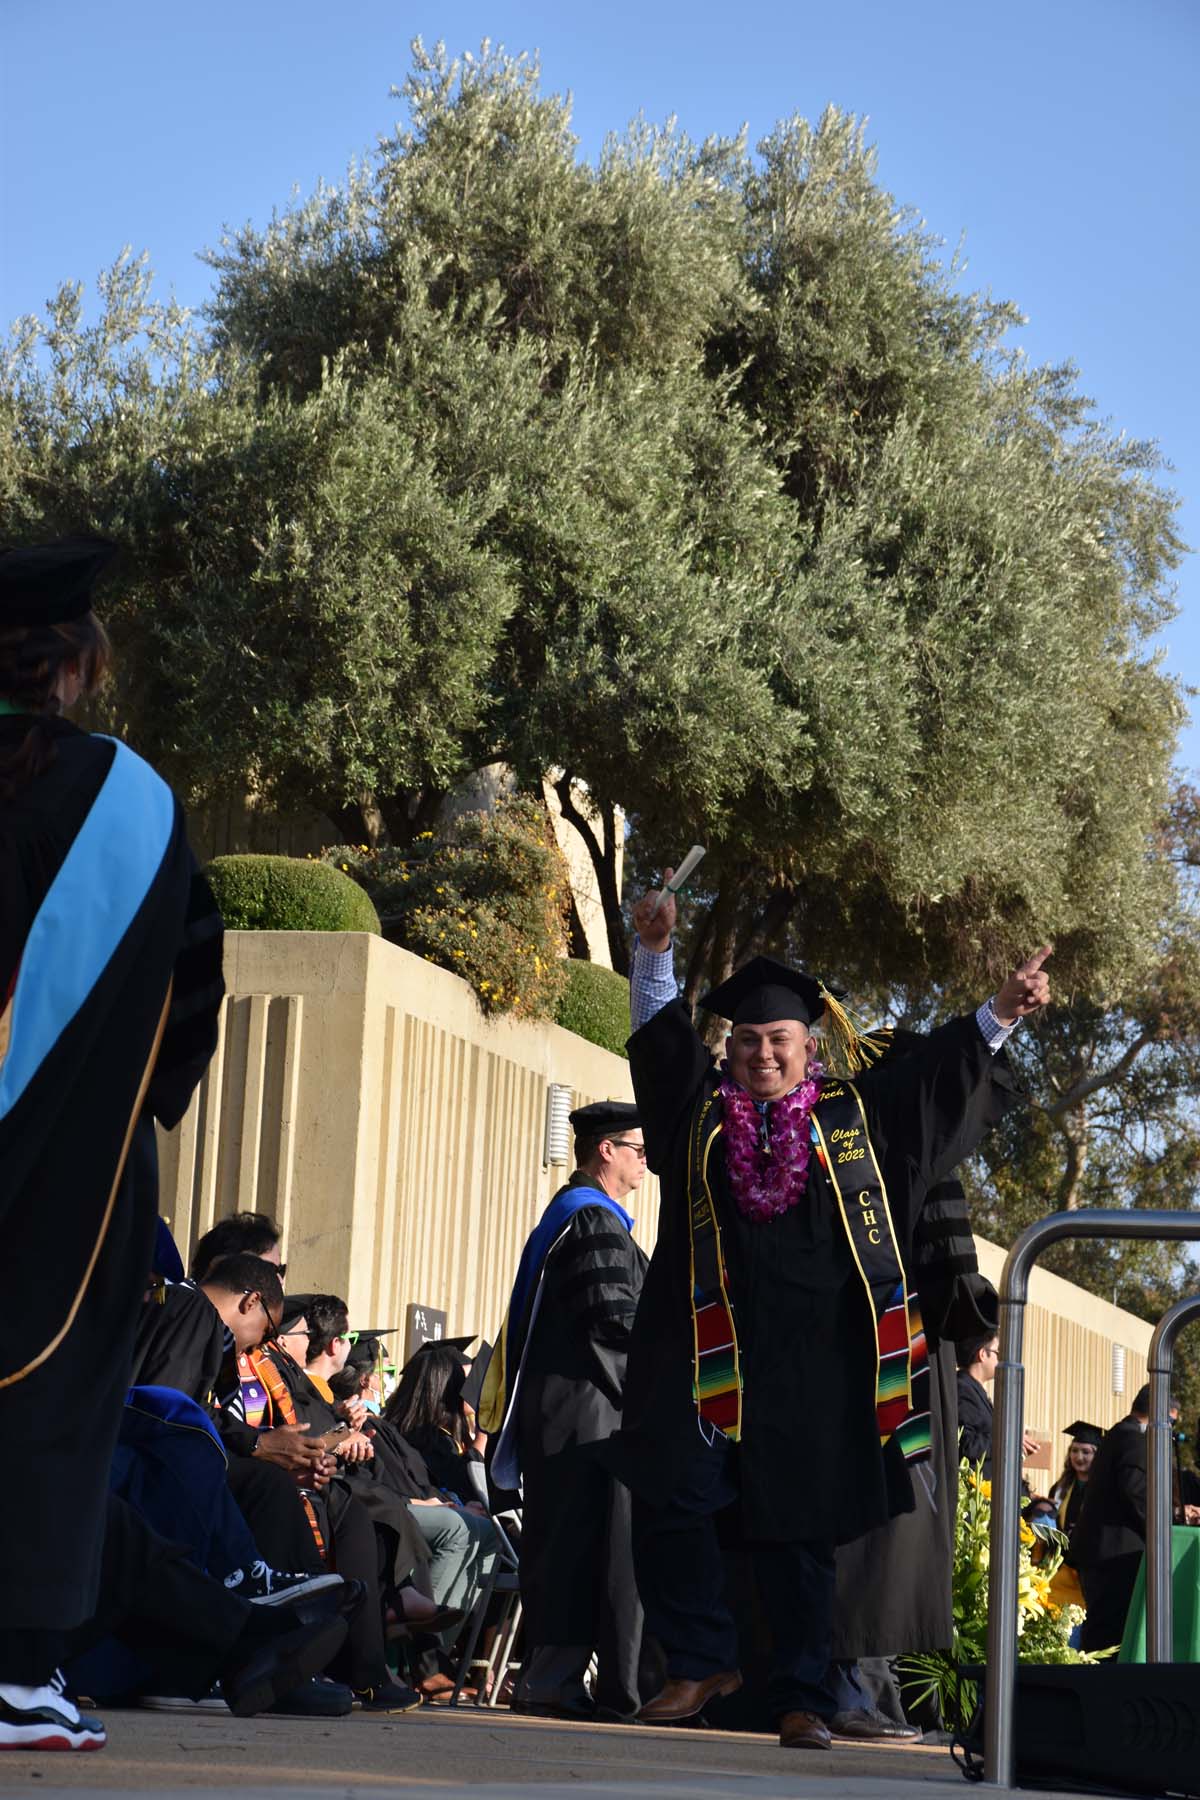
{"x": 364, "y": 1351}
{"x": 295, "y": 1306}
{"x": 763, "y": 991}
{"x": 461, "y": 1344}
{"x": 602, "y": 1116}
{"x": 51, "y": 584}
{"x": 1083, "y": 1433}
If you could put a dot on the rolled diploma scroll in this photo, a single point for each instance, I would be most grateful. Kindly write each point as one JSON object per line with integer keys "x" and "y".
{"x": 680, "y": 877}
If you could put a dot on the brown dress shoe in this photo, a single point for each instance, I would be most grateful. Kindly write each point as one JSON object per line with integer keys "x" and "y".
{"x": 683, "y": 1699}
{"x": 804, "y": 1731}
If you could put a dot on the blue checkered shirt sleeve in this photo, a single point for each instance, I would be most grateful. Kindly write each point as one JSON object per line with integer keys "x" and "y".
{"x": 652, "y": 983}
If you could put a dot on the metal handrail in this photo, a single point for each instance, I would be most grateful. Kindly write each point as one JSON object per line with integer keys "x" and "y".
{"x": 1160, "y": 1638}
{"x": 1089, "y": 1222}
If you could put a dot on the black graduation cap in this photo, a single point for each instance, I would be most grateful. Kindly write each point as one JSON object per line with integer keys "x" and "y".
{"x": 764, "y": 990}
{"x": 602, "y": 1116}
{"x": 295, "y": 1306}
{"x": 51, "y": 584}
{"x": 472, "y": 1391}
{"x": 364, "y": 1351}
{"x": 461, "y": 1344}
{"x": 1083, "y": 1433}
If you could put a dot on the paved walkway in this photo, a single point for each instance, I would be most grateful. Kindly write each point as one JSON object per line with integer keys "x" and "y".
{"x": 466, "y": 1755}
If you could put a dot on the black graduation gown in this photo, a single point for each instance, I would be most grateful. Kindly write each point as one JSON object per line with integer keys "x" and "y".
{"x": 1108, "y": 1543}
{"x": 974, "y": 1422}
{"x": 812, "y": 1467}
{"x": 894, "y": 1585}
{"x": 577, "y": 1583}
{"x": 383, "y": 1486}
{"x": 79, "y": 1174}
{"x": 180, "y": 1343}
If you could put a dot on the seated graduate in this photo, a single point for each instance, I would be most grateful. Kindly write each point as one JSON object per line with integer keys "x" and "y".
{"x": 428, "y": 1409}
{"x": 244, "y": 1233}
{"x": 456, "y": 1543}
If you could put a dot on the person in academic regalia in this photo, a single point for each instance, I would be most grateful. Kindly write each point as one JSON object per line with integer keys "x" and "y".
{"x": 110, "y": 986}
{"x": 1071, "y": 1486}
{"x": 781, "y": 1290}
{"x": 1109, "y": 1541}
{"x": 553, "y": 1392}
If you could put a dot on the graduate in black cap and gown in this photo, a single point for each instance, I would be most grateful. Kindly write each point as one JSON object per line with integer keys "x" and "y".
{"x": 553, "y": 1391}
{"x": 777, "y": 1362}
{"x": 110, "y": 985}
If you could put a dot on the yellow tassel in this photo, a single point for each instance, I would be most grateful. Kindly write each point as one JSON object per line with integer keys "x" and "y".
{"x": 850, "y": 1048}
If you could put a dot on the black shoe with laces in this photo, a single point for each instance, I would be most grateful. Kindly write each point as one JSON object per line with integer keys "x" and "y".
{"x": 391, "y": 1697}
{"x": 262, "y": 1669}
{"x": 319, "y": 1698}
{"x": 42, "y": 1718}
{"x": 264, "y": 1586}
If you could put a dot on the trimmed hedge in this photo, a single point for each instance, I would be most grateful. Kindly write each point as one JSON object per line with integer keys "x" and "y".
{"x": 288, "y": 893}
{"x": 595, "y": 1005}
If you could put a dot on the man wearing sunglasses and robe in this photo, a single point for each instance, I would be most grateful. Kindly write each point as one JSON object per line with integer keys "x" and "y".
{"x": 553, "y": 1391}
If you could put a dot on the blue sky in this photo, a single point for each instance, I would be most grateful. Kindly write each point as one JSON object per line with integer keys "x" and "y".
{"x": 1059, "y": 135}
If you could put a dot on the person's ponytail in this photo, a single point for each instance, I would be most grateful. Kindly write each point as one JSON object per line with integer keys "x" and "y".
{"x": 32, "y": 657}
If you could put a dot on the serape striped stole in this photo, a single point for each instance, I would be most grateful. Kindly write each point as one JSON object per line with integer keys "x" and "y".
{"x": 844, "y": 1150}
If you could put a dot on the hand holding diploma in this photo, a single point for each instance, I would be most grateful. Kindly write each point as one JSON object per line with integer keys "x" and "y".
{"x": 654, "y": 915}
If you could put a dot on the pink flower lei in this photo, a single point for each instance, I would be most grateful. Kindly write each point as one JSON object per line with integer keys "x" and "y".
{"x": 768, "y": 1180}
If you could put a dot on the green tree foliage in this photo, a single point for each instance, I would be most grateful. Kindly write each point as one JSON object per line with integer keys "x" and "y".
{"x": 288, "y": 893}
{"x": 485, "y": 897}
{"x": 595, "y": 1005}
{"x": 692, "y": 476}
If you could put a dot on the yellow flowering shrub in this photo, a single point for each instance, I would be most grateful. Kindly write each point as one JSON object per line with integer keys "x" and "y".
{"x": 1043, "y": 1628}
{"x": 487, "y": 898}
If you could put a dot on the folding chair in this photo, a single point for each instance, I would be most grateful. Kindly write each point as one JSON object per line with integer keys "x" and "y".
{"x": 504, "y": 1579}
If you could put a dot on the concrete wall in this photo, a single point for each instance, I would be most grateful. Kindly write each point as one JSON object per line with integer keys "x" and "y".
{"x": 360, "y": 1096}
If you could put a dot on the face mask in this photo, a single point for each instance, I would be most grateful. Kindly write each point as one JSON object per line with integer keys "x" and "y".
{"x": 372, "y": 1406}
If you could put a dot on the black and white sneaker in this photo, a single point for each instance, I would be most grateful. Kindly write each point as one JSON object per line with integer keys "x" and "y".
{"x": 211, "y": 1702}
{"x": 42, "y": 1718}
{"x": 264, "y": 1586}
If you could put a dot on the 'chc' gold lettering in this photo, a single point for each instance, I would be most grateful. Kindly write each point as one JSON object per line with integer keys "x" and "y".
{"x": 872, "y": 1237}
{"x": 869, "y": 1217}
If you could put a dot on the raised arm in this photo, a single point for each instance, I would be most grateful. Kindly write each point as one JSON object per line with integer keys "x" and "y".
{"x": 667, "y": 1057}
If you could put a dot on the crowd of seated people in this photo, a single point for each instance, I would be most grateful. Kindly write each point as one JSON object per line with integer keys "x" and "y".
{"x": 321, "y": 1480}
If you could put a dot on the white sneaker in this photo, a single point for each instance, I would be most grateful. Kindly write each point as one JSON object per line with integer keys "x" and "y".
{"x": 265, "y": 1586}
{"x": 42, "y": 1718}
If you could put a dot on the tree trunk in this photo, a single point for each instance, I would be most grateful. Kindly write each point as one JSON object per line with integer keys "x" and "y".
{"x": 698, "y": 958}
{"x": 1074, "y": 1131}
{"x": 724, "y": 942}
{"x": 373, "y": 821}
{"x": 772, "y": 917}
{"x": 577, "y": 943}
{"x": 603, "y": 855}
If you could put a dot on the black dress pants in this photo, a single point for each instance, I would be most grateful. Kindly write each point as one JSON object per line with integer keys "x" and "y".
{"x": 269, "y": 1501}
{"x": 271, "y": 1504}
{"x": 680, "y": 1576}
{"x": 161, "y": 1606}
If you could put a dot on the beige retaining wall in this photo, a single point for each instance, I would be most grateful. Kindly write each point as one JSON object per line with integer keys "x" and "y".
{"x": 360, "y": 1096}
